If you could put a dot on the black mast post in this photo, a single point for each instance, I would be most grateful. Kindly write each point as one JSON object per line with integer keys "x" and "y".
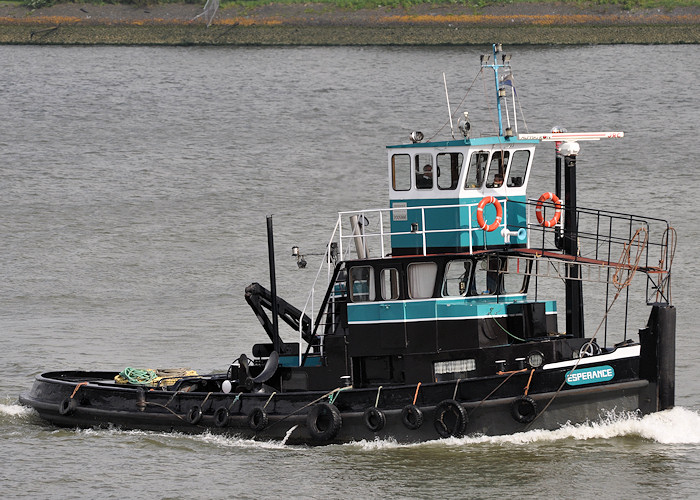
{"x": 276, "y": 341}
{"x": 557, "y": 188}
{"x": 574, "y": 286}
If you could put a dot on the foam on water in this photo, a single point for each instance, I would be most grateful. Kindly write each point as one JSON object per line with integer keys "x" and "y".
{"x": 15, "y": 410}
{"x": 676, "y": 426}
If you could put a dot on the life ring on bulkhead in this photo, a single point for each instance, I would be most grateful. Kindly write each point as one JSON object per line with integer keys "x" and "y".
{"x": 450, "y": 418}
{"x": 374, "y": 419}
{"x": 221, "y": 417}
{"x": 67, "y": 406}
{"x": 257, "y": 420}
{"x": 488, "y": 200}
{"x": 324, "y": 422}
{"x": 523, "y": 409}
{"x": 557, "y": 209}
{"x": 194, "y": 415}
{"x": 412, "y": 417}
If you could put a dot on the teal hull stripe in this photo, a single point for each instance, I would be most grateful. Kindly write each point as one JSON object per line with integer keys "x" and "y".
{"x": 432, "y": 309}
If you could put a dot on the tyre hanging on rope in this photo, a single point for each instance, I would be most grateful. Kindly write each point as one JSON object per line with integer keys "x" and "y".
{"x": 257, "y": 420}
{"x": 324, "y": 422}
{"x": 523, "y": 409}
{"x": 194, "y": 415}
{"x": 557, "y": 209}
{"x": 221, "y": 417}
{"x": 67, "y": 407}
{"x": 374, "y": 419}
{"x": 489, "y": 200}
{"x": 450, "y": 419}
{"x": 412, "y": 417}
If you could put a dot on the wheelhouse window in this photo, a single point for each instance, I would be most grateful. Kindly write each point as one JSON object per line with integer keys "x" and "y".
{"x": 477, "y": 169}
{"x": 361, "y": 284}
{"x": 421, "y": 279}
{"x": 487, "y": 278}
{"x": 449, "y": 166}
{"x": 401, "y": 172}
{"x": 424, "y": 171}
{"x": 389, "y": 283}
{"x": 518, "y": 168}
{"x": 497, "y": 170}
{"x": 457, "y": 276}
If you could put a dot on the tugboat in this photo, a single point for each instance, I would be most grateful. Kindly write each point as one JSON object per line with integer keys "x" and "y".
{"x": 435, "y": 323}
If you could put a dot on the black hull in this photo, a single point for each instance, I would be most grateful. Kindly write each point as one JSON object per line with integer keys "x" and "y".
{"x": 100, "y": 404}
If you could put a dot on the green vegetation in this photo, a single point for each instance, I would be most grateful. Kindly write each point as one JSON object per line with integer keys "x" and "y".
{"x": 371, "y": 4}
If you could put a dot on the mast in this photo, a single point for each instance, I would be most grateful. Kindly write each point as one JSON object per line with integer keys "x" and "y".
{"x": 500, "y": 91}
{"x": 574, "y": 285}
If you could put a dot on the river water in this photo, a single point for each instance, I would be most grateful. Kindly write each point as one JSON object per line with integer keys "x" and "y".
{"x": 134, "y": 185}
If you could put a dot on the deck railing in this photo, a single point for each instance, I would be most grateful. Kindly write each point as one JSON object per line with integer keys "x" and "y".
{"x": 607, "y": 242}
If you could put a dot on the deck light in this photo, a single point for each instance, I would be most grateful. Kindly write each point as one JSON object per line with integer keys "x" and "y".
{"x": 509, "y": 132}
{"x": 501, "y": 92}
{"x": 295, "y": 251}
{"x": 535, "y": 359}
{"x": 414, "y": 227}
{"x": 484, "y": 58}
{"x": 506, "y": 58}
{"x": 416, "y": 137}
{"x": 498, "y": 47}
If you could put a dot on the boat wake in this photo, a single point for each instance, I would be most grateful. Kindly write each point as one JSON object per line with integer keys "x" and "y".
{"x": 676, "y": 426}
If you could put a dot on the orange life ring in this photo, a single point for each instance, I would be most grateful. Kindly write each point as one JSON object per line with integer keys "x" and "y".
{"x": 480, "y": 213}
{"x": 557, "y": 212}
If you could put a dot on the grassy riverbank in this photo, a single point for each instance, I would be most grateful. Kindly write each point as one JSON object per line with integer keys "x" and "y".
{"x": 328, "y": 23}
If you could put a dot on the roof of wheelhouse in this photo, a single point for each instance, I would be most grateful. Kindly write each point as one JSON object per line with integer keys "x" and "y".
{"x": 478, "y": 141}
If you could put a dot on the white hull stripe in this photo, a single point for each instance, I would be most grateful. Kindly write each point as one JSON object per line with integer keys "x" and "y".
{"x": 619, "y": 353}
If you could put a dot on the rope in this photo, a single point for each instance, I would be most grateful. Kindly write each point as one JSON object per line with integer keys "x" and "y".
{"x": 454, "y": 394}
{"x": 497, "y": 387}
{"x": 376, "y": 401}
{"x": 234, "y": 401}
{"x": 527, "y": 387}
{"x": 416, "y": 394}
{"x": 269, "y": 399}
{"x": 138, "y": 376}
{"x": 507, "y": 332}
{"x": 164, "y": 407}
{"x": 338, "y": 389}
{"x": 77, "y": 387}
{"x": 205, "y": 400}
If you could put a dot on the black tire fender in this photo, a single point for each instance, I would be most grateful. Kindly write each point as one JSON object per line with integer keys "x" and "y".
{"x": 412, "y": 417}
{"x": 374, "y": 419}
{"x": 221, "y": 417}
{"x": 194, "y": 415}
{"x": 324, "y": 422}
{"x": 257, "y": 420}
{"x": 67, "y": 406}
{"x": 450, "y": 419}
{"x": 523, "y": 409}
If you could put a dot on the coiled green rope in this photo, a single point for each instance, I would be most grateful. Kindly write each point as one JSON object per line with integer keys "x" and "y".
{"x": 138, "y": 376}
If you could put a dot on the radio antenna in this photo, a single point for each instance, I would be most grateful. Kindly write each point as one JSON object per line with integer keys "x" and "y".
{"x": 449, "y": 111}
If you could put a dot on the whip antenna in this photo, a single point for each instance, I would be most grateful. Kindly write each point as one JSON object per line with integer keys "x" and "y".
{"x": 449, "y": 111}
